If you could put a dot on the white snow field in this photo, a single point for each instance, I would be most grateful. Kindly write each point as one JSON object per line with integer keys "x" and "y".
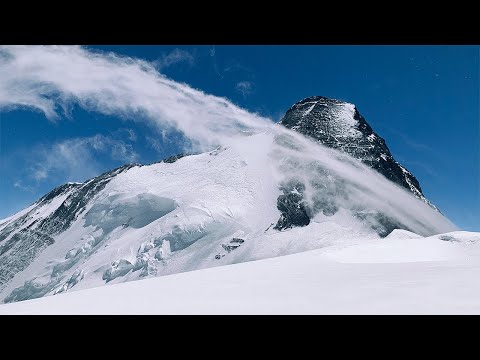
{"x": 402, "y": 274}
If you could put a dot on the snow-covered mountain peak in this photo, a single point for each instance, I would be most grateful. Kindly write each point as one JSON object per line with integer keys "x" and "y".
{"x": 339, "y": 125}
{"x": 266, "y": 193}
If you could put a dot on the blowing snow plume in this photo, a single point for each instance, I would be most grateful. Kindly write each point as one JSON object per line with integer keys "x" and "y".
{"x": 314, "y": 182}
{"x": 50, "y": 78}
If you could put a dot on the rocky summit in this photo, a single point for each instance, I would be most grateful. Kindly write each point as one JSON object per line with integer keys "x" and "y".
{"x": 339, "y": 125}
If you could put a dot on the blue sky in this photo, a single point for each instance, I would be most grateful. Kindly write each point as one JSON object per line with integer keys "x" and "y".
{"x": 424, "y": 100}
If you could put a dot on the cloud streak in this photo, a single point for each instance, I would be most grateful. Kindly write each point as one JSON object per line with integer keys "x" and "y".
{"x": 154, "y": 143}
{"x": 415, "y": 145}
{"x": 19, "y": 185}
{"x": 244, "y": 87}
{"x": 51, "y": 78}
{"x": 174, "y": 57}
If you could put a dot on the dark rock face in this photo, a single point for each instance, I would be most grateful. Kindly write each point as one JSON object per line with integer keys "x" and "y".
{"x": 17, "y": 251}
{"x": 75, "y": 204}
{"x": 340, "y": 126}
{"x": 382, "y": 224}
{"x": 292, "y": 206}
{"x": 22, "y": 248}
{"x": 174, "y": 158}
{"x": 233, "y": 244}
{"x": 171, "y": 159}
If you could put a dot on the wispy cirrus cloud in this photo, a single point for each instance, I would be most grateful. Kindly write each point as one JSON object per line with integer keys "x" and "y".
{"x": 19, "y": 185}
{"x": 174, "y": 57}
{"x": 235, "y": 66}
{"x": 131, "y": 135}
{"x": 154, "y": 143}
{"x": 415, "y": 144}
{"x": 167, "y": 141}
{"x": 214, "y": 61}
{"x": 244, "y": 87}
{"x": 407, "y": 140}
{"x": 424, "y": 166}
{"x": 243, "y": 73}
{"x": 76, "y": 159}
{"x": 40, "y": 174}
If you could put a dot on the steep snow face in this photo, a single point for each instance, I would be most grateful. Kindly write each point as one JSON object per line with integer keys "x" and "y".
{"x": 26, "y": 234}
{"x": 204, "y": 210}
{"x": 339, "y": 125}
{"x": 125, "y": 210}
{"x": 21, "y": 240}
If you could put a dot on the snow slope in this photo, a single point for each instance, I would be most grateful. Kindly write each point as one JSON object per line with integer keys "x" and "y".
{"x": 399, "y": 275}
{"x": 205, "y": 210}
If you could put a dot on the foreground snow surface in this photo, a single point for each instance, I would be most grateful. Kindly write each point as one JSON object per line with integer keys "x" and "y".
{"x": 401, "y": 274}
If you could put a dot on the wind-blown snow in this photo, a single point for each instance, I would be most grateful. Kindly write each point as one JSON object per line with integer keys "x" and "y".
{"x": 48, "y": 78}
{"x": 313, "y": 282}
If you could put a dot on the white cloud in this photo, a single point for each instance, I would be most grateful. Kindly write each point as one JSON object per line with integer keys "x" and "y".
{"x": 174, "y": 57}
{"x": 244, "y": 87}
{"x": 49, "y": 78}
{"x": 40, "y": 174}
